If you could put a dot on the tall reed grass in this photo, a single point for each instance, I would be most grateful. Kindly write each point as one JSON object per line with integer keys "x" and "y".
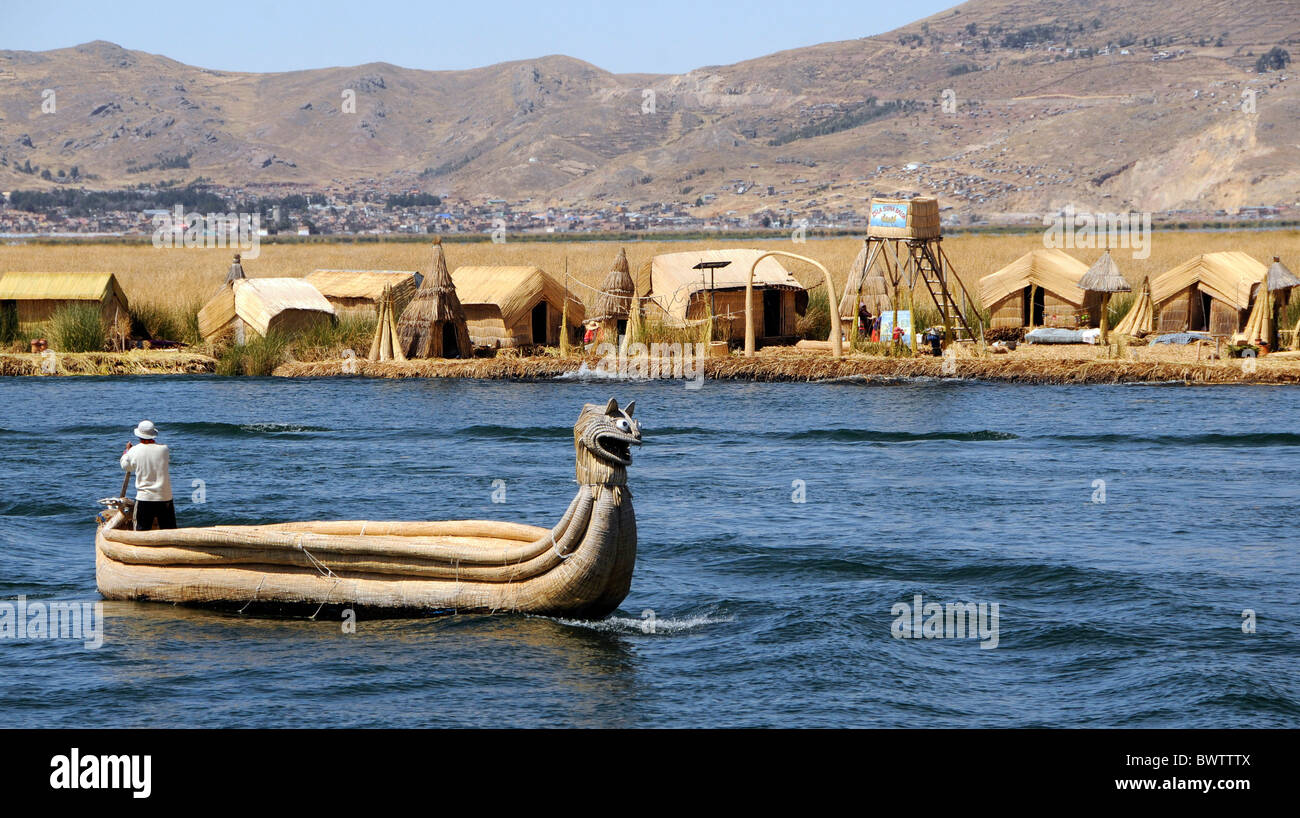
{"x": 258, "y": 357}
{"x": 78, "y": 327}
{"x": 329, "y": 341}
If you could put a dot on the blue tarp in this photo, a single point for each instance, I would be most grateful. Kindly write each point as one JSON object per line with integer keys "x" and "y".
{"x": 1180, "y": 338}
{"x": 1052, "y": 335}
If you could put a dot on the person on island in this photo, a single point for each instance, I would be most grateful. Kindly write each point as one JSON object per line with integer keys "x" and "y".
{"x": 151, "y": 462}
{"x": 865, "y": 319}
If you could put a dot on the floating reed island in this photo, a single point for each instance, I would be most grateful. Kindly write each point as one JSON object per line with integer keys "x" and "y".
{"x": 580, "y": 568}
{"x": 787, "y": 365}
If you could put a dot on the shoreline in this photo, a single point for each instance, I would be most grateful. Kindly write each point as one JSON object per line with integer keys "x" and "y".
{"x": 804, "y": 368}
{"x": 781, "y": 367}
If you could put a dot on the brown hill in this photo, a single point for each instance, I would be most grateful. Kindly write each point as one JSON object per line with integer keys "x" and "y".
{"x": 997, "y": 106}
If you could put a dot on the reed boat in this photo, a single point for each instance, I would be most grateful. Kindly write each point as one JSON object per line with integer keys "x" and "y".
{"x": 580, "y": 568}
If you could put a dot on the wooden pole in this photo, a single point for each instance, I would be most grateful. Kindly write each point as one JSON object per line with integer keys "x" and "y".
{"x": 564, "y": 314}
{"x": 1105, "y": 318}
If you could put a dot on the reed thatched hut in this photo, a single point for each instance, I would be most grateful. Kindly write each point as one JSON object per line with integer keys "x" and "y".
{"x": 260, "y": 306}
{"x": 615, "y": 301}
{"x": 516, "y": 306}
{"x": 360, "y": 292}
{"x": 1207, "y": 293}
{"x": 681, "y": 294}
{"x": 1105, "y": 278}
{"x": 28, "y": 299}
{"x": 1039, "y": 289}
{"x": 433, "y": 322}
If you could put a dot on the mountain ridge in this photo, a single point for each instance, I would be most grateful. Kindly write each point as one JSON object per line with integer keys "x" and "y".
{"x": 996, "y": 106}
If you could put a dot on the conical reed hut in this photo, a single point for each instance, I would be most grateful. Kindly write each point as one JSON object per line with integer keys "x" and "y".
{"x": 433, "y": 323}
{"x": 1104, "y": 277}
{"x": 854, "y": 286}
{"x": 1280, "y": 283}
{"x": 1141, "y": 317}
{"x": 387, "y": 344}
{"x": 613, "y": 304}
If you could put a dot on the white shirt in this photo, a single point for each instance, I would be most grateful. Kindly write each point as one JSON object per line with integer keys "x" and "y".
{"x": 149, "y": 461}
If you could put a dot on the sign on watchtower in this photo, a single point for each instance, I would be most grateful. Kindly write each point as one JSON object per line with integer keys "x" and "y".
{"x": 904, "y": 219}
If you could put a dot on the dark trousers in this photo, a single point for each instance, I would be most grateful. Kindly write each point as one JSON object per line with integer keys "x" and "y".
{"x": 148, "y": 512}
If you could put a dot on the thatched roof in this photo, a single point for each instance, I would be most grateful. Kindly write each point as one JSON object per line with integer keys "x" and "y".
{"x": 673, "y": 279}
{"x": 515, "y": 291}
{"x": 1104, "y": 277}
{"x": 614, "y": 301}
{"x": 1054, "y": 270}
{"x": 368, "y": 285}
{"x": 1279, "y": 277}
{"x": 435, "y": 303}
{"x": 1229, "y": 276}
{"x": 25, "y": 286}
{"x": 258, "y": 300}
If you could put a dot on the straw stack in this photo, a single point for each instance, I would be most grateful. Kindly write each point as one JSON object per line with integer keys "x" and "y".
{"x": 387, "y": 345}
{"x": 1104, "y": 277}
{"x": 1140, "y": 318}
{"x": 435, "y": 306}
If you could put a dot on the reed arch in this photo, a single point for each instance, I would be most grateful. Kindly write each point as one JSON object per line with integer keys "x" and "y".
{"x": 837, "y": 347}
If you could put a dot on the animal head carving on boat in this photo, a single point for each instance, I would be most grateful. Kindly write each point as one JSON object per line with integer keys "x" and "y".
{"x": 603, "y": 439}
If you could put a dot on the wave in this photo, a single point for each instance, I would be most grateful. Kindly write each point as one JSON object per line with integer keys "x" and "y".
{"x": 892, "y": 380}
{"x": 515, "y": 432}
{"x": 498, "y": 432}
{"x": 1240, "y": 439}
{"x": 876, "y": 436}
{"x": 208, "y": 429}
{"x": 647, "y": 625}
{"x": 40, "y": 508}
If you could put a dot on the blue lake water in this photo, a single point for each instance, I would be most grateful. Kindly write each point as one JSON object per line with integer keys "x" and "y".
{"x": 766, "y": 611}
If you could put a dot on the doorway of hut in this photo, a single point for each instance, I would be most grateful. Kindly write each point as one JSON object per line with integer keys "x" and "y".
{"x": 539, "y": 323}
{"x": 1033, "y": 304}
{"x": 450, "y": 349}
{"x": 771, "y": 313}
{"x": 8, "y": 320}
{"x": 1200, "y": 318}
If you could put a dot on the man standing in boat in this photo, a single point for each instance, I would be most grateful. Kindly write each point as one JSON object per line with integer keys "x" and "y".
{"x": 153, "y": 483}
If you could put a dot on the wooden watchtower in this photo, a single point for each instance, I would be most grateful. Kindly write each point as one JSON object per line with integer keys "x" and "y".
{"x": 904, "y": 244}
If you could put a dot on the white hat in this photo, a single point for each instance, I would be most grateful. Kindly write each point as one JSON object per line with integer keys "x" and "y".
{"x": 146, "y": 430}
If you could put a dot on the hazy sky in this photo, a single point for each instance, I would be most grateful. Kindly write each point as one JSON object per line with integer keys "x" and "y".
{"x": 668, "y": 36}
